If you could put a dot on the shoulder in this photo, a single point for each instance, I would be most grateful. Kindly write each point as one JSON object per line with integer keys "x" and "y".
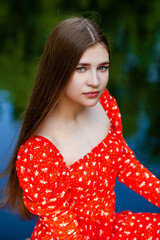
{"x": 40, "y": 169}
{"x": 38, "y": 150}
{"x": 111, "y": 107}
{"x": 109, "y": 102}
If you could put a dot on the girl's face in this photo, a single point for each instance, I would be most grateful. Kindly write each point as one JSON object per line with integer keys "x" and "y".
{"x": 90, "y": 77}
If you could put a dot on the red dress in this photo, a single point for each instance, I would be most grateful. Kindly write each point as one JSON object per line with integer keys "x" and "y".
{"x": 79, "y": 202}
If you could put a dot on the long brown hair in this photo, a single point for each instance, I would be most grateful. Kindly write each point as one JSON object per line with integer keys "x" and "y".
{"x": 65, "y": 45}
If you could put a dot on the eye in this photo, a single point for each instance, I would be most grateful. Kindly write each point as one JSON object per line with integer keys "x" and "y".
{"x": 103, "y": 68}
{"x": 80, "y": 69}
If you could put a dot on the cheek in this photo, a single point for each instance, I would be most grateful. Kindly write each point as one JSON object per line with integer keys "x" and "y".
{"x": 73, "y": 87}
{"x": 105, "y": 79}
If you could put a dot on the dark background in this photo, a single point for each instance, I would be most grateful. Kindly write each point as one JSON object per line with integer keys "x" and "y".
{"x": 133, "y": 31}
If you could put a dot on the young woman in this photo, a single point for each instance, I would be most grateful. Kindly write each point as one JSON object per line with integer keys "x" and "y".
{"x": 71, "y": 147}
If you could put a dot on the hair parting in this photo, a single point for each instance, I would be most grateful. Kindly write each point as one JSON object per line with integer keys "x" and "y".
{"x": 66, "y": 43}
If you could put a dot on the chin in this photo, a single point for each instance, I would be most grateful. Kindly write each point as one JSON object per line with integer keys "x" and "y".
{"x": 92, "y": 104}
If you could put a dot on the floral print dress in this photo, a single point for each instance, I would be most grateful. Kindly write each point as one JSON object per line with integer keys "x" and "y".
{"x": 78, "y": 202}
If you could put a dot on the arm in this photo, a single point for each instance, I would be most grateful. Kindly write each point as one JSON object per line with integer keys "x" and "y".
{"x": 45, "y": 181}
{"x": 130, "y": 171}
{"x": 133, "y": 174}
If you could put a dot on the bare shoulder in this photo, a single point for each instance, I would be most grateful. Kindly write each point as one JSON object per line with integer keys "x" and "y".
{"x": 49, "y": 129}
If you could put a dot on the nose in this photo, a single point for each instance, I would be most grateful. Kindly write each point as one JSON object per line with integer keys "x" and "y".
{"x": 93, "y": 79}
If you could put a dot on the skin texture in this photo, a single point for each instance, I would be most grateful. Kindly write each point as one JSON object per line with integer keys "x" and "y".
{"x": 79, "y": 122}
{"x": 91, "y": 74}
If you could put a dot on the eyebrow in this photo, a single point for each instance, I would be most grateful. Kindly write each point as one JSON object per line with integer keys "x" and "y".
{"x": 88, "y": 64}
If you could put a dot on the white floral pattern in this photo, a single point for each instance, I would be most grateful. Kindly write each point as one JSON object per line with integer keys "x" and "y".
{"x": 79, "y": 202}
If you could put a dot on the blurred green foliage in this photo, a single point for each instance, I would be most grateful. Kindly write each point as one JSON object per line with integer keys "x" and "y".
{"x": 133, "y": 31}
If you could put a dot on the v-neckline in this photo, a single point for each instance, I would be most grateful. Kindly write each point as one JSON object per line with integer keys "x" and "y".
{"x": 92, "y": 150}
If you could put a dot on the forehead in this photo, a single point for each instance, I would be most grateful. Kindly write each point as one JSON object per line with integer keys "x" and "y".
{"x": 95, "y": 53}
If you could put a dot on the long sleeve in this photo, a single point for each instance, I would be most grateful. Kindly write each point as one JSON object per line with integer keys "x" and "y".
{"x": 45, "y": 182}
{"x": 130, "y": 171}
{"x": 133, "y": 174}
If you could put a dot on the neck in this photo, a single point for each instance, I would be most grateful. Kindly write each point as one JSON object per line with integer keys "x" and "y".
{"x": 69, "y": 111}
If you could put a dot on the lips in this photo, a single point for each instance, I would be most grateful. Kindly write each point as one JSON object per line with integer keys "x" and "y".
{"x": 92, "y": 94}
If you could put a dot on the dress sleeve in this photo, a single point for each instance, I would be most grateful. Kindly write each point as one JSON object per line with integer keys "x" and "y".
{"x": 134, "y": 175}
{"x": 130, "y": 171}
{"x": 45, "y": 182}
